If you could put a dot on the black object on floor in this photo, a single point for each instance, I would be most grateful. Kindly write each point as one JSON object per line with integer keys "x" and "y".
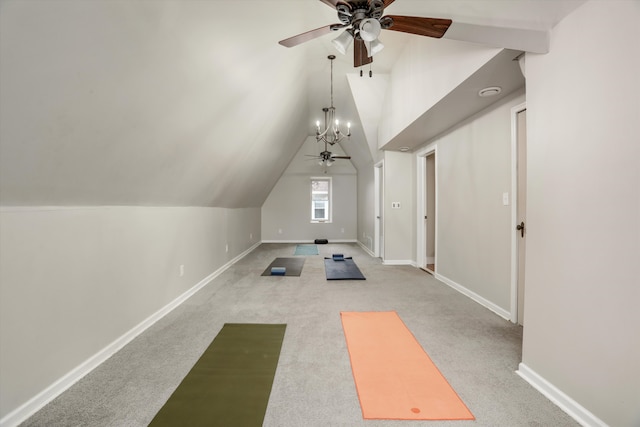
{"x": 321, "y": 241}
{"x": 345, "y": 269}
{"x": 293, "y": 266}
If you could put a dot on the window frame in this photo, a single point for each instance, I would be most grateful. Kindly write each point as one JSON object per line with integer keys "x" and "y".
{"x": 329, "y": 202}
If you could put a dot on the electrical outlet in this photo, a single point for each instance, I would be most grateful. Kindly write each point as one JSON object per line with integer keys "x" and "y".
{"x": 395, "y": 205}
{"x": 250, "y": 236}
{"x": 342, "y": 230}
{"x": 226, "y": 247}
{"x": 181, "y": 270}
{"x": 279, "y": 230}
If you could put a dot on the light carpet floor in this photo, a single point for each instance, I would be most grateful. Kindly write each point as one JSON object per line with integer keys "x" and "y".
{"x": 476, "y": 350}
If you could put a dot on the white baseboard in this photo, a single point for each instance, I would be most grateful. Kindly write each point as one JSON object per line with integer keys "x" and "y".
{"x": 34, "y": 404}
{"x": 477, "y": 298}
{"x": 288, "y": 241}
{"x": 366, "y": 249}
{"x": 564, "y": 402}
{"x": 311, "y": 241}
{"x": 399, "y": 262}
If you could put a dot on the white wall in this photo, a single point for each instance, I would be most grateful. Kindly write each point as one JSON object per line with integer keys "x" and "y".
{"x": 75, "y": 279}
{"x": 426, "y": 71}
{"x": 136, "y": 102}
{"x": 474, "y": 227}
{"x": 286, "y": 214}
{"x": 583, "y": 210}
{"x": 366, "y": 203}
{"x": 399, "y": 223}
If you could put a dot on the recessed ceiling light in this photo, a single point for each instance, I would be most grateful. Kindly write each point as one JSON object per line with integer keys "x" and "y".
{"x": 403, "y": 149}
{"x": 489, "y": 91}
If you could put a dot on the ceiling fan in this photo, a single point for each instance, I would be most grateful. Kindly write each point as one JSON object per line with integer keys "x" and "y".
{"x": 363, "y": 20}
{"x": 326, "y": 157}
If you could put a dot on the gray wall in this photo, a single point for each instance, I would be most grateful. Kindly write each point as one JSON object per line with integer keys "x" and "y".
{"x": 288, "y": 206}
{"x": 366, "y": 191}
{"x": 399, "y": 223}
{"x": 583, "y": 210}
{"x": 474, "y": 227}
{"x": 75, "y": 279}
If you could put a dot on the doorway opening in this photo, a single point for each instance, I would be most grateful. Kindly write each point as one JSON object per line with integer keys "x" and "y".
{"x": 427, "y": 209}
{"x": 430, "y": 211}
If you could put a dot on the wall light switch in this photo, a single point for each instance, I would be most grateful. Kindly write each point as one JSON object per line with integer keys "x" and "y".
{"x": 505, "y": 199}
{"x": 395, "y": 205}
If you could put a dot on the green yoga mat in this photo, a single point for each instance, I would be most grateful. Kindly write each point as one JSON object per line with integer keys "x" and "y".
{"x": 230, "y": 384}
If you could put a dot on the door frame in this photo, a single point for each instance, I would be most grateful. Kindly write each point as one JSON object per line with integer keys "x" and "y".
{"x": 421, "y": 196}
{"x": 378, "y": 201}
{"x": 514, "y": 209}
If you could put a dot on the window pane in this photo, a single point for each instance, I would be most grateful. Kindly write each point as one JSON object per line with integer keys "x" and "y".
{"x": 320, "y": 199}
{"x": 320, "y": 185}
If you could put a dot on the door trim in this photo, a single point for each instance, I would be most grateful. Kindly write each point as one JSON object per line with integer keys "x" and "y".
{"x": 514, "y": 210}
{"x": 378, "y": 200}
{"x": 421, "y": 169}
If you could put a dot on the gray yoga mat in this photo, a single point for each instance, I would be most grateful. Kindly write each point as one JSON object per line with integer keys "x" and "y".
{"x": 293, "y": 266}
{"x": 342, "y": 270}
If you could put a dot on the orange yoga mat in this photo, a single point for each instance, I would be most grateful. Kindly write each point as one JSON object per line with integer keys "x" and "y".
{"x": 394, "y": 376}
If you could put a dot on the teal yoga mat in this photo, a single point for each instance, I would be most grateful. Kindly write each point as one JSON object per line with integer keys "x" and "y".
{"x": 306, "y": 250}
{"x": 230, "y": 384}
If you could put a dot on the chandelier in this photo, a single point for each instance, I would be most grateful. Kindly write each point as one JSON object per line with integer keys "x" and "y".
{"x": 331, "y": 133}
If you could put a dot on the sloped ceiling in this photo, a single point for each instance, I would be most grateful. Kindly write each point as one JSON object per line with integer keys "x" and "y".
{"x": 182, "y": 103}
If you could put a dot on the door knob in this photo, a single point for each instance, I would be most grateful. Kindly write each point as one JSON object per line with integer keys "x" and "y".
{"x": 521, "y": 228}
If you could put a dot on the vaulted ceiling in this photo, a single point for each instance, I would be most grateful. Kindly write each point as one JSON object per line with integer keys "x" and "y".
{"x": 191, "y": 103}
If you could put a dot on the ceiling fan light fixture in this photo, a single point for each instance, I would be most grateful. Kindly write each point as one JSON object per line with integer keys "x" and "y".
{"x": 373, "y": 47}
{"x": 369, "y": 29}
{"x": 343, "y": 41}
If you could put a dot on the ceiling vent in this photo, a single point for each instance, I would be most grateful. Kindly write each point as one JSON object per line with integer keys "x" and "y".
{"x": 489, "y": 91}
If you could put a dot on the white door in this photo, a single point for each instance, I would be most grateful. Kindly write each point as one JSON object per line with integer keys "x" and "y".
{"x": 379, "y": 210}
{"x": 521, "y": 123}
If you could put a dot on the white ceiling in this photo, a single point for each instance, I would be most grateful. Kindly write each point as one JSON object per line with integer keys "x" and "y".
{"x": 185, "y": 102}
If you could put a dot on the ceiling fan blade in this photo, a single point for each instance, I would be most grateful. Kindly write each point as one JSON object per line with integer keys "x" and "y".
{"x": 430, "y": 27}
{"x": 340, "y": 157}
{"x": 360, "y": 54}
{"x": 332, "y": 3}
{"x": 309, "y": 35}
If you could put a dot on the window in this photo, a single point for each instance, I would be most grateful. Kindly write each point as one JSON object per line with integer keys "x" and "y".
{"x": 321, "y": 199}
